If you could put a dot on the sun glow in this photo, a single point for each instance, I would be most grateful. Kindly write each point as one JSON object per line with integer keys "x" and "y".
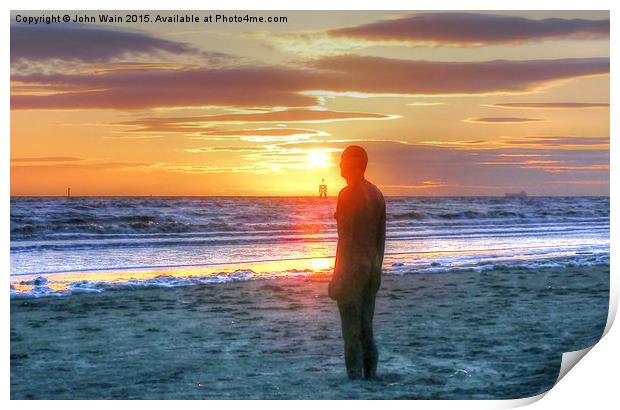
{"x": 322, "y": 264}
{"x": 317, "y": 159}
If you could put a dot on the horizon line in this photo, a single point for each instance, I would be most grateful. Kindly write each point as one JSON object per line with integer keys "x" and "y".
{"x": 292, "y": 196}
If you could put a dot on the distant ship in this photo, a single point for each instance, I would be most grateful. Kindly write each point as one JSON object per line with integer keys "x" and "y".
{"x": 521, "y": 194}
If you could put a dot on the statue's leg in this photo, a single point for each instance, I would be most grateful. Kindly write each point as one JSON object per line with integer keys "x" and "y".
{"x": 371, "y": 354}
{"x": 351, "y": 318}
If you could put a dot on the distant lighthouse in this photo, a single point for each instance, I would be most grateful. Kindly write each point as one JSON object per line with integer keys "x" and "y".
{"x": 323, "y": 189}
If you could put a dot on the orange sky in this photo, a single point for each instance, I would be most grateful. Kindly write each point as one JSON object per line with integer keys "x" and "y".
{"x": 445, "y": 104}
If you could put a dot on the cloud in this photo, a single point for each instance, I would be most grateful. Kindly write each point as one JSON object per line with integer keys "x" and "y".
{"x": 449, "y": 78}
{"x": 46, "y": 159}
{"x": 455, "y": 143}
{"x": 529, "y": 142}
{"x": 424, "y": 104}
{"x": 248, "y": 87}
{"x": 397, "y": 167}
{"x": 472, "y": 29}
{"x": 550, "y": 167}
{"x": 203, "y": 169}
{"x": 422, "y": 186}
{"x": 285, "y": 86}
{"x": 224, "y": 149}
{"x": 291, "y": 116}
{"x": 77, "y": 42}
{"x": 220, "y": 134}
{"x": 134, "y": 66}
{"x": 264, "y": 134}
{"x": 522, "y": 155}
{"x": 256, "y": 159}
{"x": 550, "y": 159}
{"x": 586, "y": 182}
{"x": 501, "y": 120}
{"x": 559, "y": 141}
{"x": 45, "y": 167}
{"x": 474, "y": 171}
{"x": 551, "y": 105}
{"x": 204, "y": 125}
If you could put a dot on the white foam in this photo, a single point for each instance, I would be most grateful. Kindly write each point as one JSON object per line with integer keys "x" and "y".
{"x": 42, "y": 286}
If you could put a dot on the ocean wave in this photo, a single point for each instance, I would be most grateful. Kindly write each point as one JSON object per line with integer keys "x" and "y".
{"x": 206, "y": 239}
{"x": 438, "y": 234}
{"x": 44, "y": 218}
{"x": 48, "y": 285}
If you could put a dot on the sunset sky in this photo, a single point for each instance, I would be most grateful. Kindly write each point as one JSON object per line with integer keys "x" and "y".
{"x": 445, "y": 103}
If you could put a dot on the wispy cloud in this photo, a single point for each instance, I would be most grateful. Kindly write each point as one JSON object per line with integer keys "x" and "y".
{"x": 425, "y": 185}
{"x": 549, "y": 159}
{"x": 203, "y": 169}
{"x": 264, "y": 134}
{"x": 209, "y": 125}
{"x": 202, "y": 150}
{"x": 77, "y": 42}
{"x": 501, "y": 120}
{"x": 526, "y": 142}
{"x": 425, "y": 104}
{"x": 583, "y": 182}
{"x": 523, "y": 155}
{"x": 472, "y": 29}
{"x": 46, "y": 159}
{"x": 293, "y": 116}
{"x": 462, "y": 170}
{"x": 550, "y": 105}
{"x": 285, "y": 86}
{"x": 551, "y": 166}
{"x": 71, "y": 166}
{"x": 396, "y": 166}
{"x": 559, "y": 141}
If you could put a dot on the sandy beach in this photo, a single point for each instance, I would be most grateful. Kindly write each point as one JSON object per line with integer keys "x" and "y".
{"x": 496, "y": 334}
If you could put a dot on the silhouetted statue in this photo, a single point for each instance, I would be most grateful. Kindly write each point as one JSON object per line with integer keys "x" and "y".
{"x": 360, "y": 214}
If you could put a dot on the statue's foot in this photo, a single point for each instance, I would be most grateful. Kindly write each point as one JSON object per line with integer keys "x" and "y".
{"x": 353, "y": 375}
{"x": 373, "y": 377}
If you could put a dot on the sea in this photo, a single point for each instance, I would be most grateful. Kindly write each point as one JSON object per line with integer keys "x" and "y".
{"x": 62, "y": 246}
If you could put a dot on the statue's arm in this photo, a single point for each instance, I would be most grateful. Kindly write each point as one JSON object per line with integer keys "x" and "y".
{"x": 381, "y": 235}
{"x": 342, "y": 266}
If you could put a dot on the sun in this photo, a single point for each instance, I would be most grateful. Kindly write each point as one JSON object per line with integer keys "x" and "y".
{"x": 317, "y": 159}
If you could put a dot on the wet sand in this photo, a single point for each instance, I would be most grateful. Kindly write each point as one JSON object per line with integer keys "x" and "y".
{"x": 496, "y": 334}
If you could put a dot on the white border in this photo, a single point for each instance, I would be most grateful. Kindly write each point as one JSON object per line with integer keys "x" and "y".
{"x": 557, "y": 5}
